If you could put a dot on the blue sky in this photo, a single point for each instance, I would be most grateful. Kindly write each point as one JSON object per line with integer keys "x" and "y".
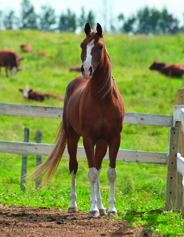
{"x": 113, "y": 7}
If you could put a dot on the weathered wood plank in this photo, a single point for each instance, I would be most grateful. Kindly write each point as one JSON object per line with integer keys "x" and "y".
{"x": 56, "y": 112}
{"x": 45, "y": 149}
{"x": 30, "y": 110}
{"x": 38, "y": 159}
{"x": 170, "y": 200}
{"x": 24, "y": 162}
{"x": 148, "y": 119}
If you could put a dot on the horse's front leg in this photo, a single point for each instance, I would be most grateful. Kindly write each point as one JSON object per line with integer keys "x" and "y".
{"x": 92, "y": 176}
{"x": 99, "y": 198}
{"x": 100, "y": 151}
{"x": 111, "y": 173}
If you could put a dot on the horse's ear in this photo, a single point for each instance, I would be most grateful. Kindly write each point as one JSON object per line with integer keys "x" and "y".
{"x": 99, "y": 30}
{"x": 87, "y": 28}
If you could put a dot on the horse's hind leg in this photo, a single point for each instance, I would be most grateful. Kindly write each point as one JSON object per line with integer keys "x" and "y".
{"x": 100, "y": 152}
{"x": 72, "y": 142}
{"x": 111, "y": 173}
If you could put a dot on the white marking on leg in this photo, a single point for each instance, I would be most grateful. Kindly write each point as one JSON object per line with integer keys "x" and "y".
{"x": 98, "y": 195}
{"x": 73, "y": 195}
{"x": 92, "y": 176}
{"x": 13, "y": 71}
{"x": 88, "y": 62}
{"x": 111, "y": 174}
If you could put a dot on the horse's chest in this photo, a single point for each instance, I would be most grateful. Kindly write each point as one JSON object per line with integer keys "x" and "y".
{"x": 100, "y": 122}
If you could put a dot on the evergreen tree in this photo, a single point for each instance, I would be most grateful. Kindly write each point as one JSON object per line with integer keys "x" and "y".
{"x": 67, "y": 22}
{"x": 47, "y": 18}
{"x": 156, "y": 22}
{"x": 83, "y": 19}
{"x": 9, "y": 20}
{"x": 168, "y": 23}
{"x": 28, "y": 18}
{"x": 128, "y": 25}
{"x": 91, "y": 19}
{"x": 1, "y": 19}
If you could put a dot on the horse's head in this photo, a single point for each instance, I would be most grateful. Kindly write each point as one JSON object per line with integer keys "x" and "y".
{"x": 92, "y": 50}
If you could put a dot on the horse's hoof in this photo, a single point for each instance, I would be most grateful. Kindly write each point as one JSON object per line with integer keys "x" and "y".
{"x": 102, "y": 212}
{"x": 93, "y": 214}
{"x": 72, "y": 209}
{"x": 112, "y": 213}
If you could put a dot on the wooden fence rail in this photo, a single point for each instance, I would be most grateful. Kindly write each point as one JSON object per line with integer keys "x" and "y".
{"x": 56, "y": 112}
{"x": 175, "y": 163}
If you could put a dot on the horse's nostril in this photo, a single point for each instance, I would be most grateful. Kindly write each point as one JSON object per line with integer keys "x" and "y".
{"x": 90, "y": 69}
{"x": 82, "y": 68}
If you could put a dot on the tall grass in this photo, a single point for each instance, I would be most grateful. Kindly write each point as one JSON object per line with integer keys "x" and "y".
{"x": 139, "y": 187}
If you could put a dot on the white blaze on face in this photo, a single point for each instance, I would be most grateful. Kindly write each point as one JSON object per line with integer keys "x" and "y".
{"x": 88, "y": 61}
{"x": 13, "y": 71}
{"x": 25, "y": 92}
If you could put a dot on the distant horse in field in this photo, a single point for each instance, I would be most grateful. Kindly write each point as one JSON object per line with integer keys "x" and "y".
{"x": 39, "y": 96}
{"x": 10, "y": 60}
{"x": 170, "y": 70}
{"x": 25, "y": 48}
{"x": 44, "y": 54}
{"x": 75, "y": 69}
{"x": 93, "y": 109}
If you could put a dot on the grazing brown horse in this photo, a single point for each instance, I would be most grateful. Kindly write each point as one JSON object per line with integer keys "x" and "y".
{"x": 93, "y": 109}
{"x": 170, "y": 70}
{"x": 75, "y": 69}
{"x": 44, "y": 54}
{"x": 10, "y": 60}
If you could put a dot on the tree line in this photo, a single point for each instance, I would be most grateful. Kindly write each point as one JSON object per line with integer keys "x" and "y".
{"x": 46, "y": 20}
{"x": 146, "y": 20}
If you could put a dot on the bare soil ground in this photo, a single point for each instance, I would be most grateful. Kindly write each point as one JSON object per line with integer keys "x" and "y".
{"x": 29, "y": 221}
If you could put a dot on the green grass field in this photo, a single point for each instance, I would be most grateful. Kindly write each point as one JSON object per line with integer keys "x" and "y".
{"x": 139, "y": 187}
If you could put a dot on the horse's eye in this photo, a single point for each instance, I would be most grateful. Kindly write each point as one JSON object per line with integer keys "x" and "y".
{"x": 101, "y": 47}
{"x": 81, "y": 46}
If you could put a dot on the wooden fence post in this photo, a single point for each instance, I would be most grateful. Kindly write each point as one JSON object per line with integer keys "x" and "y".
{"x": 179, "y": 188}
{"x": 38, "y": 159}
{"x": 170, "y": 199}
{"x": 24, "y": 162}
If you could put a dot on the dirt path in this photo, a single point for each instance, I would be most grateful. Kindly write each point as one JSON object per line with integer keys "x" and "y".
{"x": 29, "y": 221}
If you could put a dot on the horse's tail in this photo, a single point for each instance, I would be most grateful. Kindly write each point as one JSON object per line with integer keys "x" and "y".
{"x": 50, "y": 165}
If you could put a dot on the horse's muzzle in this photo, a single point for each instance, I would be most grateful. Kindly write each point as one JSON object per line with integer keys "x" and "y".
{"x": 87, "y": 71}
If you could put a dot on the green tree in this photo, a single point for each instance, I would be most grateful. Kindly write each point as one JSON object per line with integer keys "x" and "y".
{"x": 47, "y": 18}
{"x": 83, "y": 19}
{"x": 168, "y": 23}
{"x": 9, "y": 20}
{"x": 91, "y": 19}
{"x": 128, "y": 25}
{"x": 156, "y": 22}
{"x": 67, "y": 22}
{"x": 28, "y": 18}
{"x": 1, "y": 19}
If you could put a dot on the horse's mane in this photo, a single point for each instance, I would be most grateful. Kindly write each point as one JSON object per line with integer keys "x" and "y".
{"x": 107, "y": 85}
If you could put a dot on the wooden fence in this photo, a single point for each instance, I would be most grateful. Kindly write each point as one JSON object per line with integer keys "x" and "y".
{"x": 173, "y": 158}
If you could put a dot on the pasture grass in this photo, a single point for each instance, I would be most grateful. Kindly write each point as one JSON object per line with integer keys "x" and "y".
{"x": 139, "y": 187}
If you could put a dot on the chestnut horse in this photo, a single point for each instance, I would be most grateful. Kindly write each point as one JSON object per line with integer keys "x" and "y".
{"x": 93, "y": 109}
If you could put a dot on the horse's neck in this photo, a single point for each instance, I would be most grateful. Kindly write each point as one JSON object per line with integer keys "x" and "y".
{"x": 101, "y": 82}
